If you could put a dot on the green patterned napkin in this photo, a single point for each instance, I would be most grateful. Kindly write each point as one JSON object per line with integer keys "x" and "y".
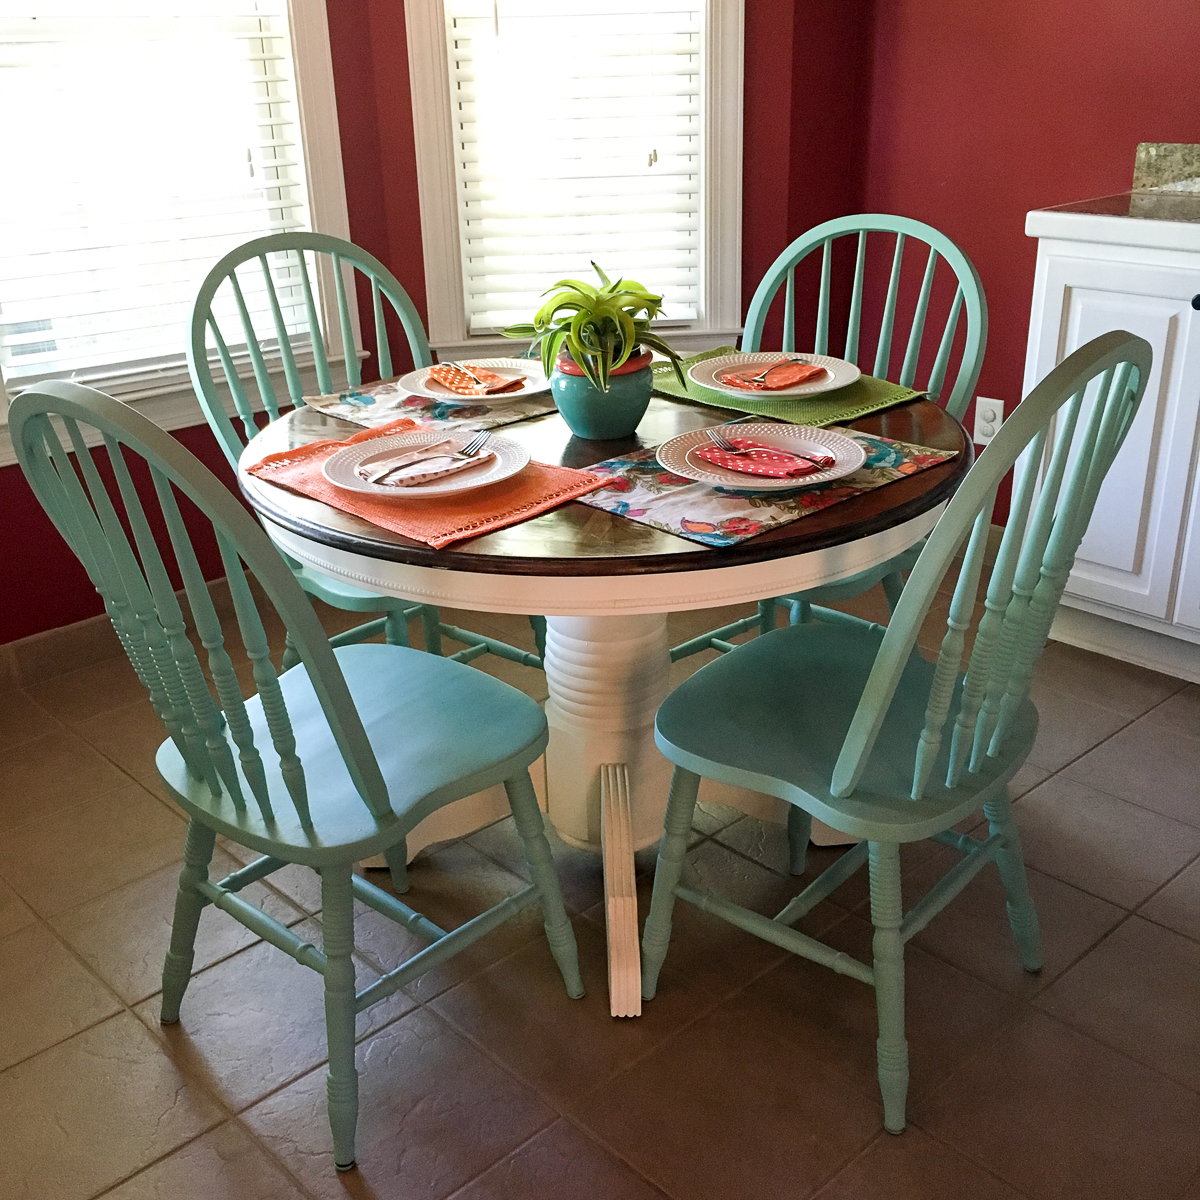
{"x": 865, "y": 395}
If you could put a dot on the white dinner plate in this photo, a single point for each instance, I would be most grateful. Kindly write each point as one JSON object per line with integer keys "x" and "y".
{"x": 418, "y": 382}
{"x": 341, "y": 469}
{"x": 678, "y": 456}
{"x": 838, "y": 373}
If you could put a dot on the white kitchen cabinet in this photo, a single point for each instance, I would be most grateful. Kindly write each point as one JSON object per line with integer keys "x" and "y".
{"x": 1135, "y": 589}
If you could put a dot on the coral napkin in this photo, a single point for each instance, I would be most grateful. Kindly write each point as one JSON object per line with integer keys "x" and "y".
{"x": 785, "y": 375}
{"x": 435, "y": 520}
{"x": 487, "y": 383}
{"x": 763, "y": 460}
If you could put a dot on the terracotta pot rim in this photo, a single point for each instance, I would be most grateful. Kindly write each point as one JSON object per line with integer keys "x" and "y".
{"x": 637, "y": 361}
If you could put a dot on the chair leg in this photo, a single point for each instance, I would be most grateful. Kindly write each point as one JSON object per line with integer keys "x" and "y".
{"x": 677, "y": 825}
{"x": 893, "y": 587}
{"x": 189, "y": 904}
{"x": 766, "y": 615}
{"x": 397, "y": 860}
{"x": 431, "y": 622}
{"x": 291, "y": 656}
{"x": 341, "y": 1084}
{"x": 1022, "y": 916}
{"x": 799, "y": 828}
{"x": 528, "y": 817}
{"x": 538, "y": 625}
{"x": 395, "y": 628}
{"x": 888, "y": 949}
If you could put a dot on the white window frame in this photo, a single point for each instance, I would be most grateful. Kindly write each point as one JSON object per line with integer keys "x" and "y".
{"x": 429, "y": 72}
{"x": 164, "y": 393}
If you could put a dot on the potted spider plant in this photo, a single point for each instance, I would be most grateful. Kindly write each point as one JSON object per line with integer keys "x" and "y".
{"x": 596, "y": 347}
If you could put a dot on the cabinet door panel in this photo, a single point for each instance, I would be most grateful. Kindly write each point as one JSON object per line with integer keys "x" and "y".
{"x": 1187, "y": 603}
{"x": 1129, "y": 553}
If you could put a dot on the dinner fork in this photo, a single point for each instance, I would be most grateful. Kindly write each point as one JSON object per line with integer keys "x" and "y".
{"x": 761, "y": 377}
{"x": 466, "y": 371}
{"x": 476, "y": 444}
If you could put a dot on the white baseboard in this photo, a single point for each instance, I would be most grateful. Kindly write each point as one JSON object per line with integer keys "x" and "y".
{"x": 1128, "y": 643}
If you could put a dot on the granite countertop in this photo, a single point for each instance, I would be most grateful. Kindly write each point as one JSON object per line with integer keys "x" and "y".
{"x": 1143, "y": 205}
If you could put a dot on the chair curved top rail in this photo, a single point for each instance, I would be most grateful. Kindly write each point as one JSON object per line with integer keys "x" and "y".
{"x": 919, "y": 350}
{"x": 295, "y": 324}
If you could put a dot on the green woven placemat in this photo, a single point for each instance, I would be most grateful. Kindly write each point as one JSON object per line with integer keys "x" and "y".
{"x": 865, "y": 395}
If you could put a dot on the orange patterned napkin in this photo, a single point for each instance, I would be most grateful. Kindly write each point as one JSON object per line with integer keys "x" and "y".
{"x": 783, "y": 375}
{"x": 435, "y": 520}
{"x": 773, "y": 461}
{"x": 460, "y": 381}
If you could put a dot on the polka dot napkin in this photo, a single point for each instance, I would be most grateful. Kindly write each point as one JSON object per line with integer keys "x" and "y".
{"x": 764, "y": 460}
{"x": 488, "y": 382}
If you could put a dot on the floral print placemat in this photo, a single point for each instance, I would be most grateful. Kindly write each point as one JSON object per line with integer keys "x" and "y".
{"x": 638, "y": 488}
{"x": 376, "y": 404}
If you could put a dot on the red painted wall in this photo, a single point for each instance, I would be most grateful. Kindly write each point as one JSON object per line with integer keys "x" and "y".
{"x": 981, "y": 112}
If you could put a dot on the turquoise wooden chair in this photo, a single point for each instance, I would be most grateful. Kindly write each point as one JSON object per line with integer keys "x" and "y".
{"x": 277, "y": 266}
{"x": 915, "y": 342}
{"x": 852, "y": 725}
{"x": 332, "y": 761}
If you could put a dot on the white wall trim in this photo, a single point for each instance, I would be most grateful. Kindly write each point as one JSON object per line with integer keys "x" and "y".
{"x": 429, "y": 73}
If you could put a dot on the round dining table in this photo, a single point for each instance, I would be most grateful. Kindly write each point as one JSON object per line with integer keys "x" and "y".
{"x": 605, "y": 584}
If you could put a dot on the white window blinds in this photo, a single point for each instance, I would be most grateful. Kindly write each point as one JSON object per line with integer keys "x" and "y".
{"x": 142, "y": 141}
{"x": 578, "y": 135}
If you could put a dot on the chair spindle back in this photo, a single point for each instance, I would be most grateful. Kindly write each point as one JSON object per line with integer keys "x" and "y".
{"x": 967, "y": 297}
{"x": 111, "y": 524}
{"x": 1069, "y": 429}
{"x": 274, "y": 271}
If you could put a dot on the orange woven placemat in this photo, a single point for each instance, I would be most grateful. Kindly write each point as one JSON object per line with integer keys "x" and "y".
{"x": 435, "y": 520}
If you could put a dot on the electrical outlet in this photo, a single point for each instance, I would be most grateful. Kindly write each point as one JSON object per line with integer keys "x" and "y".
{"x": 989, "y": 416}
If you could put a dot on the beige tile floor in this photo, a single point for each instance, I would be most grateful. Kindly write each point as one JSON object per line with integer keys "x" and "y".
{"x": 750, "y": 1075}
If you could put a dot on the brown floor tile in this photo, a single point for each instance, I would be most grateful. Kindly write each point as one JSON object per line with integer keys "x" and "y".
{"x": 1105, "y": 681}
{"x": 1069, "y": 726}
{"x": 78, "y": 854}
{"x": 300, "y": 885}
{"x": 708, "y": 956}
{"x": 450, "y": 886}
{"x": 1177, "y": 906}
{"x": 124, "y": 934}
{"x": 58, "y": 651}
{"x": 130, "y": 736}
{"x": 1061, "y": 1117}
{"x": 45, "y": 995}
{"x": 21, "y": 720}
{"x": 560, "y": 1163}
{"x": 832, "y": 1018}
{"x": 711, "y": 817}
{"x": 89, "y": 691}
{"x": 580, "y": 873}
{"x": 1148, "y": 765}
{"x": 52, "y": 772}
{"x": 255, "y": 1021}
{"x": 1138, "y": 991}
{"x": 972, "y": 931}
{"x": 1096, "y": 842}
{"x": 92, "y": 1110}
{"x": 1180, "y": 714}
{"x": 224, "y": 1164}
{"x": 1193, "y": 1193}
{"x": 730, "y": 1107}
{"x": 914, "y": 1167}
{"x": 14, "y": 914}
{"x": 433, "y": 1113}
{"x": 519, "y": 1012}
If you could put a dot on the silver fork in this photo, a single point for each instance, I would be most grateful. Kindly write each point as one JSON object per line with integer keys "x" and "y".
{"x": 467, "y": 371}
{"x": 762, "y": 376}
{"x": 476, "y": 444}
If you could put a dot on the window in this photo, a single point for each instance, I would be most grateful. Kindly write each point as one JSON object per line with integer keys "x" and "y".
{"x": 151, "y": 140}
{"x": 549, "y": 136}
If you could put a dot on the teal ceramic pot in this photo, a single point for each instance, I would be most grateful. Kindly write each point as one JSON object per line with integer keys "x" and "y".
{"x": 603, "y": 416}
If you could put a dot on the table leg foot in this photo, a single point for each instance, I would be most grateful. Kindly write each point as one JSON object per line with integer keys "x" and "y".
{"x": 620, "y": 893}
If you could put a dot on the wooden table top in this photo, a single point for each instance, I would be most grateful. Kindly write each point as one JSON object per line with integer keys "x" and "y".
{"x": 575, "y": 539}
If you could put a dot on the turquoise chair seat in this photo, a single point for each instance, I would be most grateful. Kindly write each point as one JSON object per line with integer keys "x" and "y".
{"x": 413, "y": 707}
{"x": 772, "y": 716}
